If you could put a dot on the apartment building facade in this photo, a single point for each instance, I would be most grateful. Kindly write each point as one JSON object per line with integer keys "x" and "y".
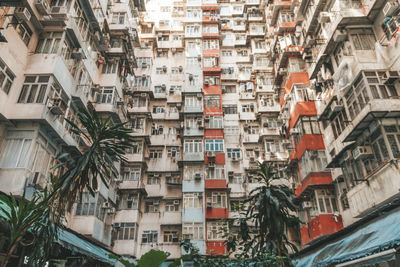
{"x": 209, "y": 88}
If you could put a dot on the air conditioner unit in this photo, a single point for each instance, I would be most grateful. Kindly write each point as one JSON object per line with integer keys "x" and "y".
{"x": 223, "y": 88}
{"x": 324, "y": 17}
{"x": 211, "y": 154}
{"x": 313, "y": 154}
{"x": 245, "y": 126}
{"x": 144, "y": 76}
{"x": 335, "y": 107}
{"x": 173, "y": 50}
{"x": 106, "y": 205}
{"x": 143, "y": 94}
{"x": 306, "y": 205}
{"x": 176, "y": 202}
{"x": 340, "y": 36}
{"x": 54, "y": 106}
{"x": 111, "y": 211}
{"x": 116, "y": 225}
{"x": 390, "y": 8}
{"x": 22, "y": 13}
{"x": 190, "y": 77}
{"x": 282, "y": 71}
{"x": 390, "y": 76}
{"x": 118, "y": 180}
{"x": 180, "y": 68}
{"x": 207, "y": 118}
{"x": 144, "y": 64}
{"x": 197, "y": 176}
{"x": 294, "y": 131}
{"x": 156, "y": 202}
{"x": 163, "y": 86}
{"x": 252, "y": 159}
{"x": 199, "y": 95}
{"x": 164, "y": 68}
{"x": 209, "y": 205}
{"x": 362, "y": 152}
{"x": 347, "y": 155}
{"x": 78, "y": 55}
{"x": 235, "y": 158}
{"x": 42, "y": 7}
{"x": 58, "y": 11}
{"x": 34, "y": 181}
{"x": 178, "y": 105}
{"x": 211, "y": 164}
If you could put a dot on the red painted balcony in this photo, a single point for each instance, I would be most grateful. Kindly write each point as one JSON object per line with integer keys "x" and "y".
{"x": 217, "y": 213}
{"x": 305, "y": 108}
{"x": 215, "y": 184}
{"x": 323, "y": 224}
{"x": 289, "y": 51}
{"x": 216, "y": 248}
{"x": 218, "y": 159}
{"x": 294, "y": 78}
{"x": 309, "y": 142}
{"x": 314, "y": 179}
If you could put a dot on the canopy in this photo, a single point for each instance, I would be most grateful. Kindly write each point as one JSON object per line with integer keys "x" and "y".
{"x": 79, "y": 245}
{"x": 380, "y": 234}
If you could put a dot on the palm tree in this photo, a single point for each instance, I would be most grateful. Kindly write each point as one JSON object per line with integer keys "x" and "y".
{"x": 26, "y": 223}
{"x": 269, "y": 211}
{"x": 105, "y": 142}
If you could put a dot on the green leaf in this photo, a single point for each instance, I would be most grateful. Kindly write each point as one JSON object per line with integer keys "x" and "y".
{"x": 153, "y": 258}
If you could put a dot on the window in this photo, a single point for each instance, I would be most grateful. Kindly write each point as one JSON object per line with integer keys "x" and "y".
{"x": 152, "y": 206}
{"x": 236, "y": 205}
{"x": 259, "y": 44}
{"x": 379, "y": 90}
{"x": 160, "y": 71}
{"x": 192, "y": 29}
{"x": 312, "y": 161}
{"x": 126, "y": 231}
{"x": 248, "y": 107}
{"x": 131, "y": 174}
{"x": 80, "y": 20}
{"x": 216, "y": 145}
{"x": 214, "y": 122}
{"x": 171, "y": 237}
{"x": 149, "y": 237}
{"x": 193, "y": 231}
{"x": 172, "y": 206}
{"x": 158, "y": 109}
{"x": 129, "y": 201}
{"x": 212, "y": 101}
{"x": 175, "y": 70}
{"x": 363, "y": 39}
{"x": 173, "y": 152}
{"x": 229, "y": 89}
{"x": 210, "y": 44}
{"x": 24, "y": 32}
{"x": 226, "y": 53}
{"x": 175, "y": 89}
{"x": 165, "y": 9}
{"x": 118, "y": 18}
{"x": 253, "y": 129}
{"x": 217, "y": 199}
{"x": 49, "y": 43}
{"x": 192, "y": 61}
{"x": 6, "y": 77}
{"x": 90, "y": 205}
{"x": 230, "y": 109}
{"x": 155, "y": 154}
{"x": 308, "y": 125}
{"x": 136, "y": 148}
{"x": 163, "y": 53}
{"x": 228, "y": 71}
{"x": 233, "y": 152}
{"x": 217, "y": 173}
{"x": 109, "y": 68}
{"x": 211, "y": 80}
{"x": 189, "y": 172}
{"x": 210, "y": 29}
{"x": 142, "y": 81}
{"x": 193, "y": 146}
{"x": 325, "y": 200}
{"x": 192, "y": 200}
{"x": 216, "y": 230}
{"x": 193, "y": 101}
{"x": 153, "y": 178}
{"x": 105, "y": 96}
{"x": 235, "y": 178}
{"x": 35, "y": 88}
{"x": 211, "y": 62}
{"x": 15, "y": 149}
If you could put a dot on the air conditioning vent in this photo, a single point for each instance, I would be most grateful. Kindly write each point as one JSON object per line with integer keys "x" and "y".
{"x": 42, "y": 7}
{"x": 362, "y": 152}
{"x": 306, "y": 205}
{"x": 55, "y": 106}
{"x": 23, "y": 14}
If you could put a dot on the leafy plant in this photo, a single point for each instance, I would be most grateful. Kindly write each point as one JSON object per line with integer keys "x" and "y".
{"x": 105, "y": 143}
{"x": 269, "y": 211}
{"x": 153, "y": 258}
{"x": 28, "y": 222}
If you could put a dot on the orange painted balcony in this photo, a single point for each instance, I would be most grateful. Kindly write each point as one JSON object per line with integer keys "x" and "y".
{"x": 214, "y": 133}
{"x": 212, "y": 69}
{"x": 218, "y": 159}
{"x": 212, "y": 89}
{"x": 214, "y": 183}
{"x": 305, "y": 108}
{"x": 289, "y": 51}
{"x": 294, "y": 78}
{"x": 278, "y": 5}
{"x": 314, "y": 179}
{"x": 309, "y": 142}
{"x": 217, "y": 213}
{"x": 323, "y": 224}
{"x": 215, "y": 248}
{"x": 210, "y": 19}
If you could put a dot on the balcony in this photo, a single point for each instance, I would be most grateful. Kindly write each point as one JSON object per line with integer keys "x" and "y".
{"x": 13, "y": 180}
{"x": 239, "y": 27}
{"x": 270, "y": 131}
{"x": 277, "y": 7}
{"x": 381, "y": 186}
{"x": 173, "y": 248}
{"x": 128, "y": 215}
{"x": 269, "y": 108}
{"x": 216, "y": 248}
{"x": 194, "y": 185}
{"x": 240, "y": 41}
{"x": 125, "y": 247}
{"x": 131, "y": 184}
{"x": 92, "y": 227}
{"x": 229, "y": 42}
{"x": 251, "y": 138}
{"x": 313, "y": 180}
{"x": 193, "y": 215}
{"x": 193, "y": 131}
{"x": 193, "y": 156}
{"x": 265, "y": 88}
{"x": 170, "y": 218}
{"x": 215, "y": 183}
{"x": 323, "y": 224}
{"x": 217, "y": 213}
{"x": 256, "y": 31}
{"x": 138, "y": 109}
{"x": 134, "y": 157}
{"x": 255, "y": 15}
{"x": 198, "y": 109}
{"x": 247, "y": 95}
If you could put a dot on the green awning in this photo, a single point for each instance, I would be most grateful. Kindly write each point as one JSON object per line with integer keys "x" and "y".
{"x": 381, "y": 234}
{"x": 79, "y": 245}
